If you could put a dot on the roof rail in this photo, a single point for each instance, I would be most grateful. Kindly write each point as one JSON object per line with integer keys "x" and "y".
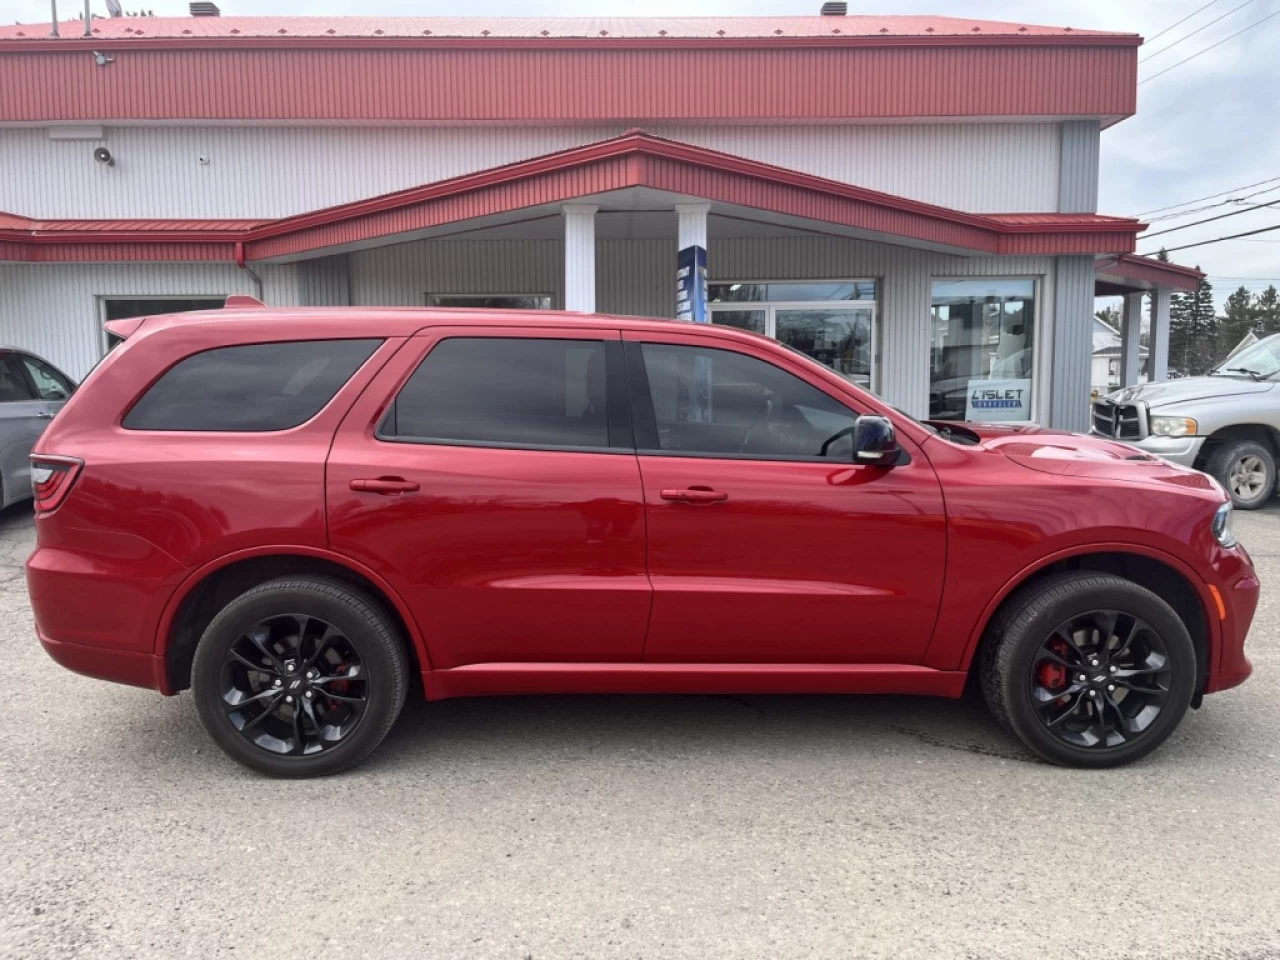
{"x": 243, "y": 300}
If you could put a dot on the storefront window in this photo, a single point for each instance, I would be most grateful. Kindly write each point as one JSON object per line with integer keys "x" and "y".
{"x": 816, "y": 318}
{"x": 982, "y": 361}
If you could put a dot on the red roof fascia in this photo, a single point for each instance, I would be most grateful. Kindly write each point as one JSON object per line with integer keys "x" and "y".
{"x": 633, "y": 159}
{"x": 1149, "y": 270}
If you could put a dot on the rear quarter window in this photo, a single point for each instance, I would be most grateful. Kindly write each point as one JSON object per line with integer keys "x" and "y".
{"x": 251, "y": 388}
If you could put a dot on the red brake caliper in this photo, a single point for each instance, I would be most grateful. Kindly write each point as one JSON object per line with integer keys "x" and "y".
{"x": 1053, "y": 676}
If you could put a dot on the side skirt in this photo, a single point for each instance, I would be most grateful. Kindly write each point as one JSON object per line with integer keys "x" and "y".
{"x": 503, "y": 679}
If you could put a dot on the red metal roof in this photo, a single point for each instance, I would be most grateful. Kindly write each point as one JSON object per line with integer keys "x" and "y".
{"x": 583, "y": 28}
{"x": 1130, "y": 266}
{"x": 631, "y": 160}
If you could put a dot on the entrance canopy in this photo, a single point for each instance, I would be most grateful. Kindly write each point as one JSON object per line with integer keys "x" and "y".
{"x": 632, "y": 172}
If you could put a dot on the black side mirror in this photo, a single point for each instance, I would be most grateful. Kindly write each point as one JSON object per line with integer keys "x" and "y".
{"x": 874, "y": 442}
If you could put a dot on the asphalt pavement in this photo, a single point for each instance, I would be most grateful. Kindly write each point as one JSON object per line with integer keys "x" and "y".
{"x": 654, "y": 827}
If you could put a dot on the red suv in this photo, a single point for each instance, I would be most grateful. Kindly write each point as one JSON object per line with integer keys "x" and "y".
{"x": 295, "y": 512}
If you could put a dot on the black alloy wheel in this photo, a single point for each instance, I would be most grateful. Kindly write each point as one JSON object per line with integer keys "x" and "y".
{"x": 1088, "y": 669}
{"x": 301, "y": 676}
{"x": 1100, "y": 679}
{"x": 294, "y": 684}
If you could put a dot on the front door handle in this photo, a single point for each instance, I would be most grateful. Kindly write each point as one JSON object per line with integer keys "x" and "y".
{"x": 384, "y": 485}
{"x": 695, "y": 495}
{"x": 45, "y": 415}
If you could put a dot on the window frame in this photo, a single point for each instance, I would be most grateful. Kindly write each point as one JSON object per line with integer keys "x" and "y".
{"x": 618, "y": 414}
{"x": 1041, "y": 375}
{"x": 23, "y": 356}
{"x": 645, "y": 423}
{"x": 428, "y": 297}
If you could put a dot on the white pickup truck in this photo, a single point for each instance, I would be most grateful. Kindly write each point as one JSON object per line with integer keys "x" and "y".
{"x": 1226, "y": 423}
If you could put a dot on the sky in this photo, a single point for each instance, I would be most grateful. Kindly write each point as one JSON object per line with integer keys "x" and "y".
{"x": 1207, "y": 126}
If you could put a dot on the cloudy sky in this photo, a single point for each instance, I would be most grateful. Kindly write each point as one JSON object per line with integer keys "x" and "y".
{"x": 1208, "y": 126}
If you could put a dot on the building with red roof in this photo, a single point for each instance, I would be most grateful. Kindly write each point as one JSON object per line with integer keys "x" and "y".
{"x": 911, "y": 200}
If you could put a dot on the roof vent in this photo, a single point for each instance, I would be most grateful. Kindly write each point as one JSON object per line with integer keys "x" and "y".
{"x": 834, "y": 8}
{"x": 204, "y": 10}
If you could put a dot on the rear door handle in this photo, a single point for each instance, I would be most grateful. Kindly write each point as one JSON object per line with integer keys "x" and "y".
{"x": 45, "y": 415}
{"x": 695, "y": 495}
{"x": 385, "y": 485}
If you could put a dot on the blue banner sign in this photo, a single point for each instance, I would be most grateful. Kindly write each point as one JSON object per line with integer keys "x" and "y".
{"x": 691, "y": 285}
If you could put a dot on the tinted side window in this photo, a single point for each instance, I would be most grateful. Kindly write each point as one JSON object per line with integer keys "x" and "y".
{"x": 50, "y": 384}
{"x": 13, "y": 383}
{"x": 502, "y": 391}
{"x": 261, "y": 386}
{"x": 720, "y": 403}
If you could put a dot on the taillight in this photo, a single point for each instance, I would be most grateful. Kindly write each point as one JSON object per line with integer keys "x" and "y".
{"x": 51, "y": 480}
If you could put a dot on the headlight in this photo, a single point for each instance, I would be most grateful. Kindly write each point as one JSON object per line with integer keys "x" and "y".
{"x": 1222, "y": 526}
{"x": 1173, "y": 427}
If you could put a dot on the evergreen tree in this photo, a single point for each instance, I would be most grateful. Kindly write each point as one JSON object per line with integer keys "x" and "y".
{"x": 1193, "y": 331}
{"x": 1267, "y": 312}
{"x": 1239, "y": 316}
{"x": 1110, "y": 316}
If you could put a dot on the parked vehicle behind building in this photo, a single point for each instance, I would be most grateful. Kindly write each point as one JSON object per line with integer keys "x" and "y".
{"x": 295, "y": 512}
{"x": 32, "y": 391}
{"x": 1226, "y": 423}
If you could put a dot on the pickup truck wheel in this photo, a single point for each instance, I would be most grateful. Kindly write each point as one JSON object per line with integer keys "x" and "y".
{"x": 1088, "y": 669}
{"x": 1246, "y": 469}
{"x": 300, "y": 677}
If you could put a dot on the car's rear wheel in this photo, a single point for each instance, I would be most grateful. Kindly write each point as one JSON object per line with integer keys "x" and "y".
{"x": 1246, "y": 469}
{"x": 300, "y": 677}
{"x": 1088, "y": 669}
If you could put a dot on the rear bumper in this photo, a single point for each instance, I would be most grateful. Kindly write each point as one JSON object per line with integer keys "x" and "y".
{"x": 105, "y": 663}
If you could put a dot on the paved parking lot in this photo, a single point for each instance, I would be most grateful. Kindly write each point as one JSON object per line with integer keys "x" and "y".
{"x": 655, "y": 827}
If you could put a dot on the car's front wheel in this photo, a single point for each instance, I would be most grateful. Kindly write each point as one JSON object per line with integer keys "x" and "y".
{"x": 1088, "y": 669}
{"x": 300, "y": 677}
{"x": 1247, "y": 471}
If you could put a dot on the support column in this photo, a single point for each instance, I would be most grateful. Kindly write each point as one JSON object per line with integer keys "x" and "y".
{"x": 691, "y": 262}
{"x": 1158, "y": 342}
{"x": 1131, "y": 339}
{"x": 580, "y": 256}
{"x": 1072, "y": 344}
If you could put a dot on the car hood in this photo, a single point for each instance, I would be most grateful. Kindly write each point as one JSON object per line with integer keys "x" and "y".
{"x": 1077, "y": 455}
{"x": 1163, "y": 392}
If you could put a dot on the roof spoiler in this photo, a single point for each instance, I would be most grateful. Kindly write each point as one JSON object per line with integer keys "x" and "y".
{"x": 126, "y": 328}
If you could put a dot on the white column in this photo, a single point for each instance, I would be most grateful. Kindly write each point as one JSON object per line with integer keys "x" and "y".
{"x": 693, "y": 225}
{"x": 580, "y": 256}
{"x": 1130, "y": 339}
{"x": 1158, "y": 342}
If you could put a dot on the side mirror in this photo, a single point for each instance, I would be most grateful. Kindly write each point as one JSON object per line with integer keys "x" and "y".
{"x": 874, "y": 442}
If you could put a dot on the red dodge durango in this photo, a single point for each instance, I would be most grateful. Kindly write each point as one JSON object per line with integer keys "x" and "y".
{"x": 294, "y": 512}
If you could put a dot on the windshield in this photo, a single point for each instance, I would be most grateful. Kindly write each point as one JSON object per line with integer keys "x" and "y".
{"x": 1262, "y": 360}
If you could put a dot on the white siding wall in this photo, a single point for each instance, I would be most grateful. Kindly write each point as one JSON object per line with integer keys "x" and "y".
{"x": 402, "y": 275}
{"x": 53, "y": 309}
{"x": 266, "y": 172}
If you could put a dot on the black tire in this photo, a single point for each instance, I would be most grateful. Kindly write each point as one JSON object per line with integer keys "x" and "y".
{"x": 356, "y": 619}
{"x": 1008, "y": 661}
{"x": 1232, "y": 457}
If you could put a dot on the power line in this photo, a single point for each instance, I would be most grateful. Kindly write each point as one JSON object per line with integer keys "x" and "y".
{"x": 1209, "y": 197}
{"x": 1221, "y": 216}
{"x": 1212, "y": 206}
{"x": 1182, "y": 21}
{"x": 1206, "y": 26}
{"x": 1210, "y": 47}
{"x": 1205, "y": 243}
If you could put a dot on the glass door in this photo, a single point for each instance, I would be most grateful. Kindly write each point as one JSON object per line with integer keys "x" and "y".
{"x": 839, "y": 335}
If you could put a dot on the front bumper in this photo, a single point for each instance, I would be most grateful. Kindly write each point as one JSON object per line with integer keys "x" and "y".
{"x": 1180, "y": 450}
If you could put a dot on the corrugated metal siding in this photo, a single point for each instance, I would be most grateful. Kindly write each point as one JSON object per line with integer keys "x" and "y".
{"x": 1072, "y": 344}
{"x": 325, "y": 281}
{"x": 269, "y": 172}
{"x": 521, "y": 86}
{"x": 636, "y": 277}
{"x": 404, "y": 274}
{"x": 53, "y": 309}
{"x": 1078, "y": 180}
